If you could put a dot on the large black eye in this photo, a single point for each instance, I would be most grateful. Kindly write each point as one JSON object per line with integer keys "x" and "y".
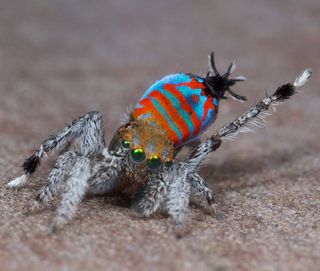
{"x": 138, "y": 155}
{"x": 154, "y": 162}
{"x": 126, "y": 144}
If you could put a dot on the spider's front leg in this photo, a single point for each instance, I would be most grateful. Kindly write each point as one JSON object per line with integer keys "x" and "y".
{"x": 183, "y": 177}
{"x": 177, "y": 198}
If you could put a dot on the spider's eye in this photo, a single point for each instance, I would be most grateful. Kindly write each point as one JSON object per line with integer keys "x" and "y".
{"x": 126, "y": 144}
{"x": 154, "y": 162}
{"x": 168, "y": 164}
{"x": 138, "y": 155}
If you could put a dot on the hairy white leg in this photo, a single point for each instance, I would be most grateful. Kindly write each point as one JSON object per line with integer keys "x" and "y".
{"x": 177, "y": 198}
{"x": 88, "y": 128}
{"x": 56, "y": 177}
{"x": 200, "y": 186}
{"x": 74, "y": 191}
{"x": 184, "y": 176}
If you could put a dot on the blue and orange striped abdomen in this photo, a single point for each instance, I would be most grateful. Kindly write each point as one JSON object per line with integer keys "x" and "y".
{"x": 178, "y": 104}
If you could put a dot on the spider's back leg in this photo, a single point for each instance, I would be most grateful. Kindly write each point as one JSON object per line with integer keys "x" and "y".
{"x": 87, "y": 128}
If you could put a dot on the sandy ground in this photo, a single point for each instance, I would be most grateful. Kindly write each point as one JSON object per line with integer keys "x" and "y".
{"x": 59, "y": 59}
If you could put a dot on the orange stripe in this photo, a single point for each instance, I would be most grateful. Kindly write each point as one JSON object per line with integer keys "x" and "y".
{"x": 172, "y": 112}
{"x": 140, "y": 111}
{"x": 185, "y": 106}
{"x": 149, "y": 107}
{"x": 194, "y": 84}
{"x": 207, "y": 106}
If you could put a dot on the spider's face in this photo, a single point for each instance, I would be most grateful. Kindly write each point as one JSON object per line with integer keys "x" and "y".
{"x": 145, "y": 144}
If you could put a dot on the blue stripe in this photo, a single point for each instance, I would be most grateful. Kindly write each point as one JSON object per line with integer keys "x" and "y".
{"x": 164, "y": 113}
{"x": 198, "y": 107}
{"x": 209, "y": 120}
{"x": 177, "y": 104}
{"x": 145, "y": 116}
{"x": 175, "y": 79}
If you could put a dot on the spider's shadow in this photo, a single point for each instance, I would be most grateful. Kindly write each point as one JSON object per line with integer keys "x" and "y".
{"x": 234, "y": 167}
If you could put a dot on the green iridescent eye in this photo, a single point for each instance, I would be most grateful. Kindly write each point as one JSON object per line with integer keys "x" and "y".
{"x": 126, "y": 144}
{"x": 154, "y": 162}
{"x": 168, "y": 164}
{"x": 138, "y": 155}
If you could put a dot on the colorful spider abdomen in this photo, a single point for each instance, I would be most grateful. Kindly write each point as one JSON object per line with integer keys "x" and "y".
{"x": 180, "y": 105}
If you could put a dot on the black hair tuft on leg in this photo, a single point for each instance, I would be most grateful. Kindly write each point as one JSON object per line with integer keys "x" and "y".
{"x": 31, "y": 164}
{"x": 285, "y": 91}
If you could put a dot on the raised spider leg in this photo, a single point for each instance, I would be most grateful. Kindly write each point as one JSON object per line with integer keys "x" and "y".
{"x": 238, "y": 125}
{"x": 88, "y": 128}
{"x": 75, "y": 188}
{"x": 183, "y": 176}
{"x": 256, "y": 114}
{"x": 148, "y": 200}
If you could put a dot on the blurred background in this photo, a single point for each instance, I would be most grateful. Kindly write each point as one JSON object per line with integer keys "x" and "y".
{"x": 62, "y": 58}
